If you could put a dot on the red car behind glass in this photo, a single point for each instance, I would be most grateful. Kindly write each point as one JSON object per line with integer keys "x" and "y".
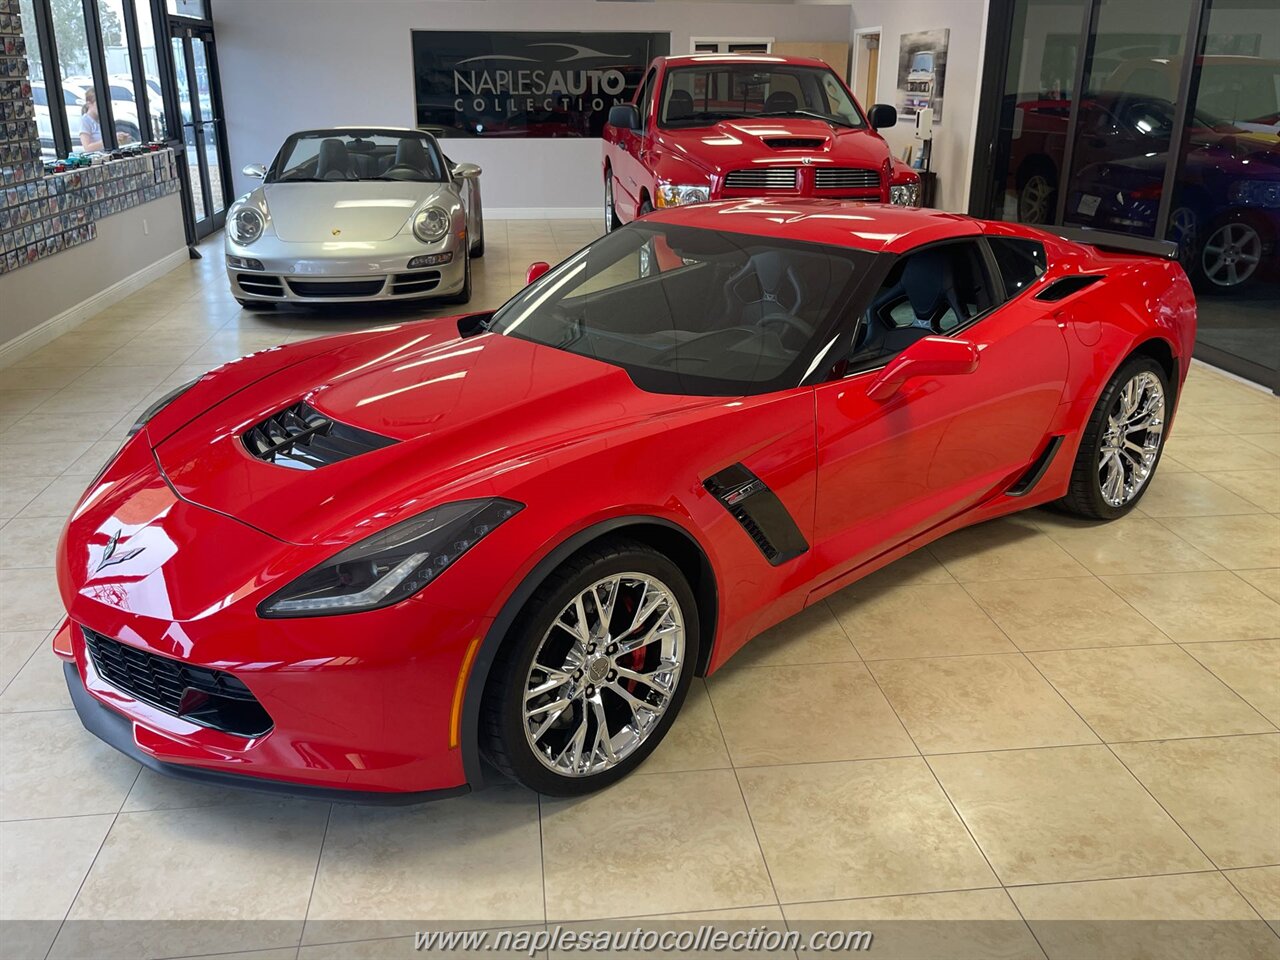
{"x": 716, "y": 126}
{"x": 355, "y": 566}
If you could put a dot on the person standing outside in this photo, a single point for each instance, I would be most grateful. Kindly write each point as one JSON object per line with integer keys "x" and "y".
{"x": 90, "y": 128}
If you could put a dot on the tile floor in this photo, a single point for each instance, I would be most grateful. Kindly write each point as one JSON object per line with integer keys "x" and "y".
{"x": 1034, "y": 721}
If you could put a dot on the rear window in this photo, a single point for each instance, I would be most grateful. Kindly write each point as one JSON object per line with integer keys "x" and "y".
{"x": 1021, "y": 262}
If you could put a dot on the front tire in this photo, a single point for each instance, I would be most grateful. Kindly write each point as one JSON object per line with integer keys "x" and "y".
{"x": 594, "y": 671}
{"x": 1122, "y": 442}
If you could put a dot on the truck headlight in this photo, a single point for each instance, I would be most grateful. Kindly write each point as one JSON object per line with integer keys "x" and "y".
{"x": 431, "y": 225}
{"x": 675, "y": 195}
{"x": 392, "y": 565}
{"x": 246, "y": 225}
{"x": 905, "y": 194}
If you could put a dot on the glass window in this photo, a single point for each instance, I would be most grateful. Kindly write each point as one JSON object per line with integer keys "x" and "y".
{"x": 1225, "y": 215}
{"x": 1120, "y": 156}
{"x": 153, "y": 96}
{"x": 358, "y": 155}
{"x": 115, "y": 46}
{"x": 44, "y": 126}
{"x": 1021, "y": 262}
{"x": 691, "y": 311}
{"x": 187, "y": 8}
{"x": 72, "y": 39}
{"x": 936, "y": 290}
{"x": 704, "y": 94}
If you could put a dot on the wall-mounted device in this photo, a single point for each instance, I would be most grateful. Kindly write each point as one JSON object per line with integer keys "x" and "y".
{"x": 924, "y": 123}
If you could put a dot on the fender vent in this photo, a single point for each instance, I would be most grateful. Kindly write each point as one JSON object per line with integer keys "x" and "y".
{"x": 303, "y": 438}
{"x": 760, "y": 513}
{"x": 1064, "y": 287}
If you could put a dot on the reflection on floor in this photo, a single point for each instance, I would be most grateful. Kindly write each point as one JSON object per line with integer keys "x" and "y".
{"x": 1033, "y": 719}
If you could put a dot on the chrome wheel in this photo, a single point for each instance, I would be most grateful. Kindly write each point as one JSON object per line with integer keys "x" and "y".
{"x": 1231, "y": 254}
{"x": 1131, "y": 440}
{"x": 604, "y": 674}
{"x": 1033, "y": 200}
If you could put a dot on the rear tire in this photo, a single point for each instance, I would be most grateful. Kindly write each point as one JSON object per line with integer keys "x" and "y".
{"x": 1125, "y": 433}
{"x": 590, "y": 669}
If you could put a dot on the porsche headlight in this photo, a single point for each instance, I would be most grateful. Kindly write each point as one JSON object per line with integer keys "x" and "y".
{"x": 389, "y": 566}
{"x": 674, "y": 195}
{"x": 246, "y": 225}
{"x": 431, "y": 225}
{"x": 905, "y": 194}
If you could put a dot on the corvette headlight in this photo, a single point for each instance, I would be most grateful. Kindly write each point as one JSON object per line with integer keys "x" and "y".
{"x": 389, "y": 566}
{"x": 674, "y": 195}
{"x": 246, "y": 225}
{"x": 1256, "y": 193}
{"x": 431, "y": 225}
{"x": 905, "y": 194}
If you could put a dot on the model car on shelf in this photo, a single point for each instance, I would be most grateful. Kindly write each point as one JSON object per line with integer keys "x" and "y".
{"x": 356, "y": 214}
{"x": 356, "y": 565}
{"x": 718, "y": 126}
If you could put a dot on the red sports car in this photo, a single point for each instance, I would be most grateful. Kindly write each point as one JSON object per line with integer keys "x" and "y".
{"x": 358, "y": 565}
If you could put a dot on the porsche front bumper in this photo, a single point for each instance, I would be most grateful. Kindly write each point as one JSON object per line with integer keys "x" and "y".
{"x": 336, "y": 272}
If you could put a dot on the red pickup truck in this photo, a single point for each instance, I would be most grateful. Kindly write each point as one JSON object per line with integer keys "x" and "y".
{"x": 711, "y": 127}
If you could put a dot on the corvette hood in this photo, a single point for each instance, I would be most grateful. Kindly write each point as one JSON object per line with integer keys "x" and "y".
{"x": 463, "y": 414}
{"x": 731, "y": 144}
{"x": 362, "y": 212}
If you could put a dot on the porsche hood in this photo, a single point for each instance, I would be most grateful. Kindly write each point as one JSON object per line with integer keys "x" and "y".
{"x": 426, "y": 417}
{"x": 359, "y": 212}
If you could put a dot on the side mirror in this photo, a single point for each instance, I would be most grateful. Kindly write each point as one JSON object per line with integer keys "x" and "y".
{"x": 882, "y": 115}
{"x": 624, "y": 116}
{"x": 929, "y": 357}
{"x": 466, "y": 171}
{"x": 536, "y": 269}
{"x": 255, "y": 170}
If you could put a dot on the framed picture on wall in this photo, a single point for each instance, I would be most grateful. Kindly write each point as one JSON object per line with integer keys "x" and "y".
{"x": 922, "y": 72}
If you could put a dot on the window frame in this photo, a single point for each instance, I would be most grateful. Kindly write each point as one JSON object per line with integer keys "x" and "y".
{"x": 988, "y": 264}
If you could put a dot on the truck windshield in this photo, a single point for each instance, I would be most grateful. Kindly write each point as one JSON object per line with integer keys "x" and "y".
{"x": 706, "y": 93}
{"x": 692, "y": 311}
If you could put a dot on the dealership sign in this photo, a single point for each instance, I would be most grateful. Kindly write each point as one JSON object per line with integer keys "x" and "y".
{"x": 528, "y": 84}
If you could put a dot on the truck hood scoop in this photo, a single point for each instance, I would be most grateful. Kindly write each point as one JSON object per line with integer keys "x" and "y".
{"x": 303, "y": 438}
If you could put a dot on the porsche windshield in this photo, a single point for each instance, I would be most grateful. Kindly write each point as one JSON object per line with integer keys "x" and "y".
{"x": 692, "y": 311}
{"x": 347, "y": 155}
{"x": 701, "y": 95}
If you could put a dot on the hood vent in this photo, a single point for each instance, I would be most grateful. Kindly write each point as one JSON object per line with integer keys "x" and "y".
{"x": 303, "y": 438}
{"x": 795, "y": 143}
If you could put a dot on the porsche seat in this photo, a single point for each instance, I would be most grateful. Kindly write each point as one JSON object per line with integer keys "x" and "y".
{"x": 334, "y": 162}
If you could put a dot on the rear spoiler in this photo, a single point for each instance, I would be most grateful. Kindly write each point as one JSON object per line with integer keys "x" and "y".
{"x": 1117, "y": 242}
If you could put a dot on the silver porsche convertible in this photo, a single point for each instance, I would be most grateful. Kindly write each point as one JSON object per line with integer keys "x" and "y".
{"x": 356, "y": 214}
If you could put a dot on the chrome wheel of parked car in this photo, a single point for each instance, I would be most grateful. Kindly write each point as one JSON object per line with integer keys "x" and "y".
{"x": 1131, "y": 440}
{"x": 1232, "y": 254}
{"x": 1034, "y": 200}
{"x": 604, "y": 675}
{"x": 1184, "y": 230}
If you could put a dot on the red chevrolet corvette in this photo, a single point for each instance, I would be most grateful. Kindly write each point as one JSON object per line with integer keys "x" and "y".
{"x": 358, "y": 565}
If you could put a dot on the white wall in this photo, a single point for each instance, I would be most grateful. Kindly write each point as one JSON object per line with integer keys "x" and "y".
{"x": 292, "y": 64}
{"x": 953, "y": 137}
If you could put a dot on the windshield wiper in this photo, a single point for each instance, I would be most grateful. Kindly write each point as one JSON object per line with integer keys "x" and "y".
{"x": 834, "y": 121}
{"x": 702, "y": 116}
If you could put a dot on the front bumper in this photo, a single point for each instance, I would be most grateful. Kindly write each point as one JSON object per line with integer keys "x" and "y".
{"x": 118, "y": 731}
{"x": 338, "y": 272}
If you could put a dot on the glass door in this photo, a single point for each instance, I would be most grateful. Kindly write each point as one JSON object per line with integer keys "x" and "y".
{"x": 194, "y": 62}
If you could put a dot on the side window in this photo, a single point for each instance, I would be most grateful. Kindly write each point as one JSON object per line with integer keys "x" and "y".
{"x": 936, "y": 290}
{"x": 1021, "y": 262}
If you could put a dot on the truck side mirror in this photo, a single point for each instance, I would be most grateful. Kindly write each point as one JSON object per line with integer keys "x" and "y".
{"x": 882, "y": 115}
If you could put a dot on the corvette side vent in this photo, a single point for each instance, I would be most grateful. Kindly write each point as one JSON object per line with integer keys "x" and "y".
{"x": 760, "y": 513}
{"x": 1064, "y": 287}
{"x": 303, "y": 438}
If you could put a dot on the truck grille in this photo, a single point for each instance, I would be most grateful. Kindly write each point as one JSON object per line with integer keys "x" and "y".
{"x": 303, "y": 438}
{"x": 846, "y": 178}
{"x": 762, "y": 178}
{"x": 211, "y": 698}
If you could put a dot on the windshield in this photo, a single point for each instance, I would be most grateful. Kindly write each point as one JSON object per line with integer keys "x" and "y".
{"x": 346, "y": 155}
{"x": 692, "y": 311}
{"x": 702, "y": 94}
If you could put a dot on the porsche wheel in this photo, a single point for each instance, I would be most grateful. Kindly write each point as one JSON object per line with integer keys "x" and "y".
{"x": 592, "y": 676}
{"x": 1122, "y": 443}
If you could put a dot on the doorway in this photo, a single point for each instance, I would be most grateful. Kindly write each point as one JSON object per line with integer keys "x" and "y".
{"x": 866, "y": 64}
{"x": 203, "y": 136}
{"x": 731, "y": 44}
